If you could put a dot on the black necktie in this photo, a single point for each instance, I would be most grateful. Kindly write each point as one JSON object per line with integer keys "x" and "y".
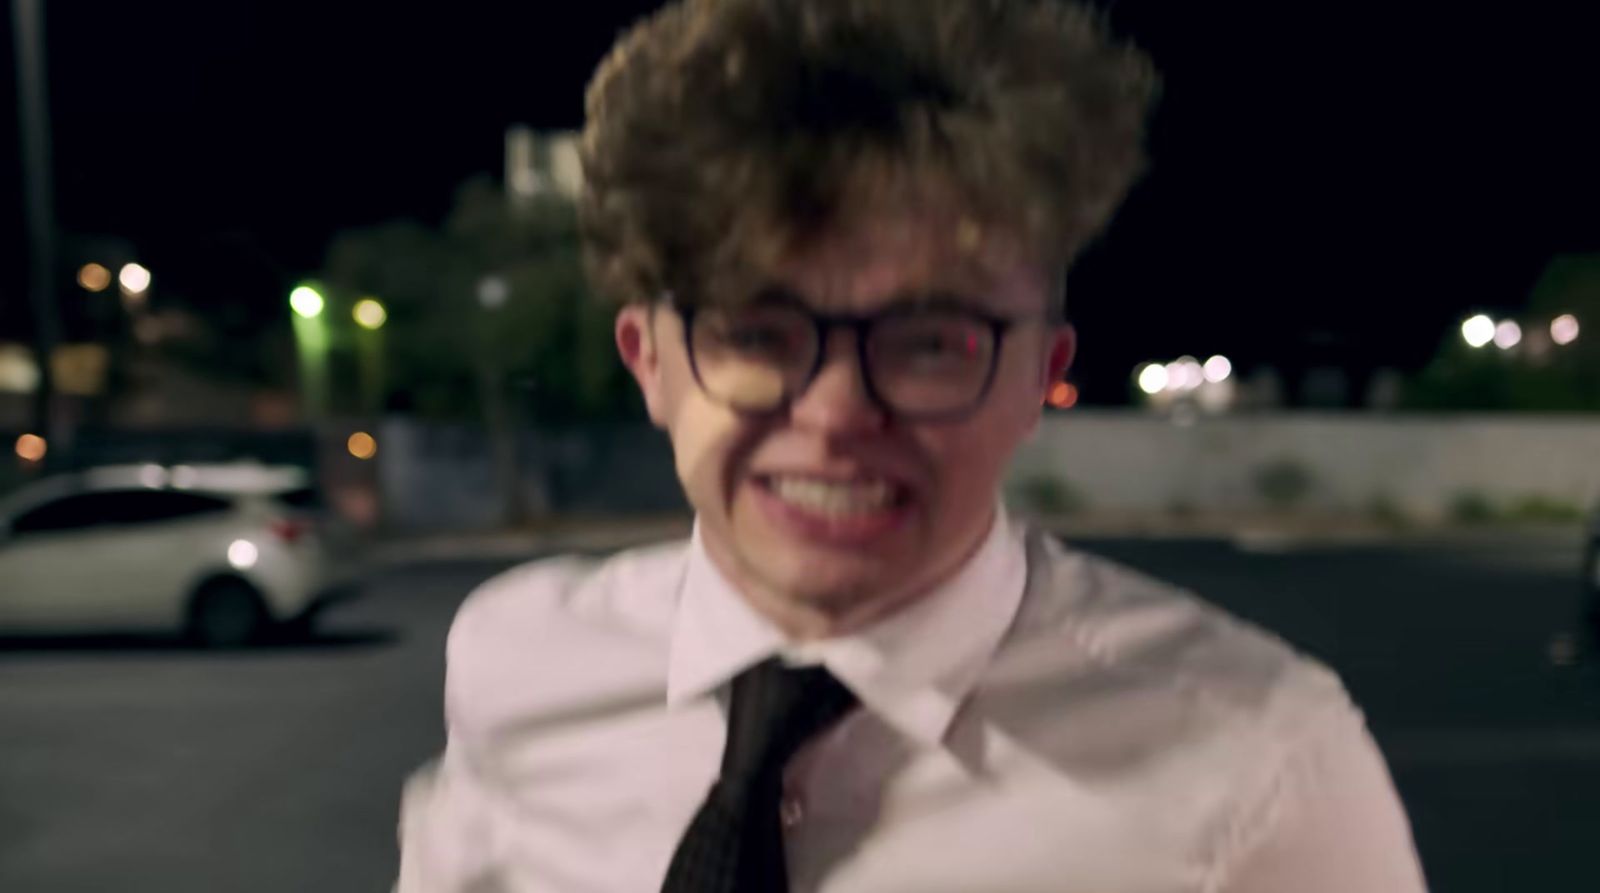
{"x": 735, "y": 843}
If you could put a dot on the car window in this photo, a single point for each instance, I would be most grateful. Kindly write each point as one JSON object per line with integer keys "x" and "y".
{"x": 143, "y": 507}
{"x": 119, "y": 507}
{"x": 68, "y": 513}
{"x": 308, "y": 498}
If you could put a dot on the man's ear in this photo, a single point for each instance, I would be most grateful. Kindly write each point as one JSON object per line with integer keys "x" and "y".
{"x": 1060, "y": 349}
{"x": 636, "y": 343}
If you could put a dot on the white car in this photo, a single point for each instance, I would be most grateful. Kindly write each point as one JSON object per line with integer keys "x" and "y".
{"x": 221, "y": 553}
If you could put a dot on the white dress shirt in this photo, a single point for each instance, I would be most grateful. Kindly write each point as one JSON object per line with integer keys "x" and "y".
{"x": 1044, "y": 721}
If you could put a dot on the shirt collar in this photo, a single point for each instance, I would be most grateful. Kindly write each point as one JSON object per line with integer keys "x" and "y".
{"x": 913, "y": 669}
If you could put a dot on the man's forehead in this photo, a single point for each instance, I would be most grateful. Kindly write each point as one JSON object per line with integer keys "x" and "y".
{"x": 888, "y": 259}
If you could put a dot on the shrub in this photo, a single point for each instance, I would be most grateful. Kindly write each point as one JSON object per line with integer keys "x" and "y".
{"x": 1046, "y": 494}
{"x": 1472, "y": 507}
{"x": 1284, "y": 483}
{"x": 1545, "y": 509}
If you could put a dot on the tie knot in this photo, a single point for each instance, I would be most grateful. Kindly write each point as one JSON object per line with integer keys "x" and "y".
{"x": 774, "y": 710}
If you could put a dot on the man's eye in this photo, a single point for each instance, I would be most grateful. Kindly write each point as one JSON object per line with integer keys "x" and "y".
{"x": 933, "y": 344}
{"x": 756, "y": 338}
{"x": 767, "y": 341}
{"x": 939, "y": 345}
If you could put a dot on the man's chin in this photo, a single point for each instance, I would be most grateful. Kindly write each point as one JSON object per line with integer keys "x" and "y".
{"x": 820, "y": 574}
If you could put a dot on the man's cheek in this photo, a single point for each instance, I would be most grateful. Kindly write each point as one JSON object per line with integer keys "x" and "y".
{"x": 704, "y": 437}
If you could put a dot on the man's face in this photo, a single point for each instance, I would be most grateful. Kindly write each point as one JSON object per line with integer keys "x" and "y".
{"x": 834, "y": 504}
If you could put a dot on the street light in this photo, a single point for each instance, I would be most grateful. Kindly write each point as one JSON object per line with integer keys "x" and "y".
{"x": 135, "y": 279}
{"x": 362, "y": 445}
{"x": 1478, "y": 331}
{"x": 31, "y": 448}
{"x": 1217, "y": 369}
{"x": 307, "y": 302}
{"x": 1063, "y": 395}
{"x": 1564, "y": 329}
{"x": 1507, "y": 335}
{"x": 1185, "y": 374}
{"x": 1153, "y": 378}
{"x": 94, "y": 277}
{"x": 369, "y": 314}
{"x": 311, "y": 343}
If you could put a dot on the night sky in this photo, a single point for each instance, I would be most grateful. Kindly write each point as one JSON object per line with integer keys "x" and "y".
{"x": 1331, "y": 184}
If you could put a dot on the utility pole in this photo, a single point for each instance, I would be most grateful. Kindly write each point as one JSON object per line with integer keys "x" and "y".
{"x": 33, "y": 120}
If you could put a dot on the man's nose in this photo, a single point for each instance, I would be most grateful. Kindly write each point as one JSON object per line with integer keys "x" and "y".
{"x": 838, "y": 399}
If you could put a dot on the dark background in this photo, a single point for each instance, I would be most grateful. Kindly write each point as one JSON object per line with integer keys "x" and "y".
{"x": 1331, "y": 182}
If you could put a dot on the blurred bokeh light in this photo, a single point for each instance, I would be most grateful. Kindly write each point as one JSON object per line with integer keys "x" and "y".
{"x": 94, "y": 277}
{"x": 1507, "y": 335}
{"x": 135, "y": 280}
{"x": 1564, "y": 329}
{"x": 1478, "y": 331}
{"x": 31, "y": 448}
{"x": 307, "y": 302}
{"x": 362, "y": 445}
{"x": 370, "y": 314}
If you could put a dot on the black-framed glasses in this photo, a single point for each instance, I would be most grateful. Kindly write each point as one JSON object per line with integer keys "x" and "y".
{"x": 928, "y": 361}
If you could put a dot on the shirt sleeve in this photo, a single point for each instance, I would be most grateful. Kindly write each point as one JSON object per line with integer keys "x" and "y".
{"x": 445, "y": 830}
{"x": 446, "y": 808}
{"x": 1330, "y": 822}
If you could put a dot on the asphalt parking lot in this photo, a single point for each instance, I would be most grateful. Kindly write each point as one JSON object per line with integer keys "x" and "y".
{"x": 134, "y": 766}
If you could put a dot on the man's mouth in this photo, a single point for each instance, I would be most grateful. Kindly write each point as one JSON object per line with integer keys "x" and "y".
{"x": 835, "y": 499}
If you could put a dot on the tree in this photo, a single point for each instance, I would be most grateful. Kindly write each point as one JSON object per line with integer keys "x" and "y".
{"x": 1538, "y": 374}
{"x": 548, "y": 341}
{"x": 489, "y": 318}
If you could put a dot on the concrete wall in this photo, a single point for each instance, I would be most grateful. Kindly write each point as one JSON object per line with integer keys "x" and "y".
{"x": 434, "y": 476}
{"x": 1419, "y": 464}
{"x": 442, "y": 477}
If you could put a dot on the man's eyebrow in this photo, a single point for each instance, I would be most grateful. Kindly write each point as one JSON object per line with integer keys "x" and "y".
{"x": 932, "y": 299}
{"x": 910, "y": 300}
{"x": 777, "y": 293}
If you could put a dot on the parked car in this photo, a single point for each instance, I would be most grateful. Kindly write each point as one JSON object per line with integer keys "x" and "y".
{"x": 219, "y": 553}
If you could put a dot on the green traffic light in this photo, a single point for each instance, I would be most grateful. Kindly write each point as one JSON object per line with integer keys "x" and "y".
{"x": 307, "y": 302}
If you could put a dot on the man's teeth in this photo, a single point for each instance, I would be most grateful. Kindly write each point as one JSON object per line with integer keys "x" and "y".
{"x": 833, "y": 497}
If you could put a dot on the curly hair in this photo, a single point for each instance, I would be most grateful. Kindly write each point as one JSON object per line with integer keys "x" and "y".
{"x": 722, "y": 132}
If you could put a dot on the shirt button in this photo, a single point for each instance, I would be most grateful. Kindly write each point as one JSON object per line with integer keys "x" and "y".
{"x": 791, "y": 811}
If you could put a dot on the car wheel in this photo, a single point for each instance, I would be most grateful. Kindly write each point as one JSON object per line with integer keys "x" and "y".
{"x": 226, "y": 613}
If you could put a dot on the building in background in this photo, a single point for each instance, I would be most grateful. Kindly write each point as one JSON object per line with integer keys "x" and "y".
{"x": 542, "y": 164}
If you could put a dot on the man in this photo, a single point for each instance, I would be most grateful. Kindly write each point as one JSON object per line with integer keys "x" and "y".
{"x": 838, "y": 231}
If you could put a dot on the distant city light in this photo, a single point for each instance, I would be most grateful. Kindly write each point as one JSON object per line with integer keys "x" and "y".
{"x": 94, "y": 277}
{"x": 1185, "y": 374}
{"x": 493, "y": 292}
{"x": 1564, "y": 329}
{"x": 369, "y": 314}
{"x": 134, "y": 278}
{"x": 243, "y": 554}
{"x": 1063, "y": 395}
{"x": 31, "y": 448}
{"x": 1478, "y": 331}
{"x": 307, "y": 302}
{"x": 1507, "y": 335}
{"x": 362, "y": 445}
{"x": 1153, "y": 378}
{"x": 1217, "y": 369}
